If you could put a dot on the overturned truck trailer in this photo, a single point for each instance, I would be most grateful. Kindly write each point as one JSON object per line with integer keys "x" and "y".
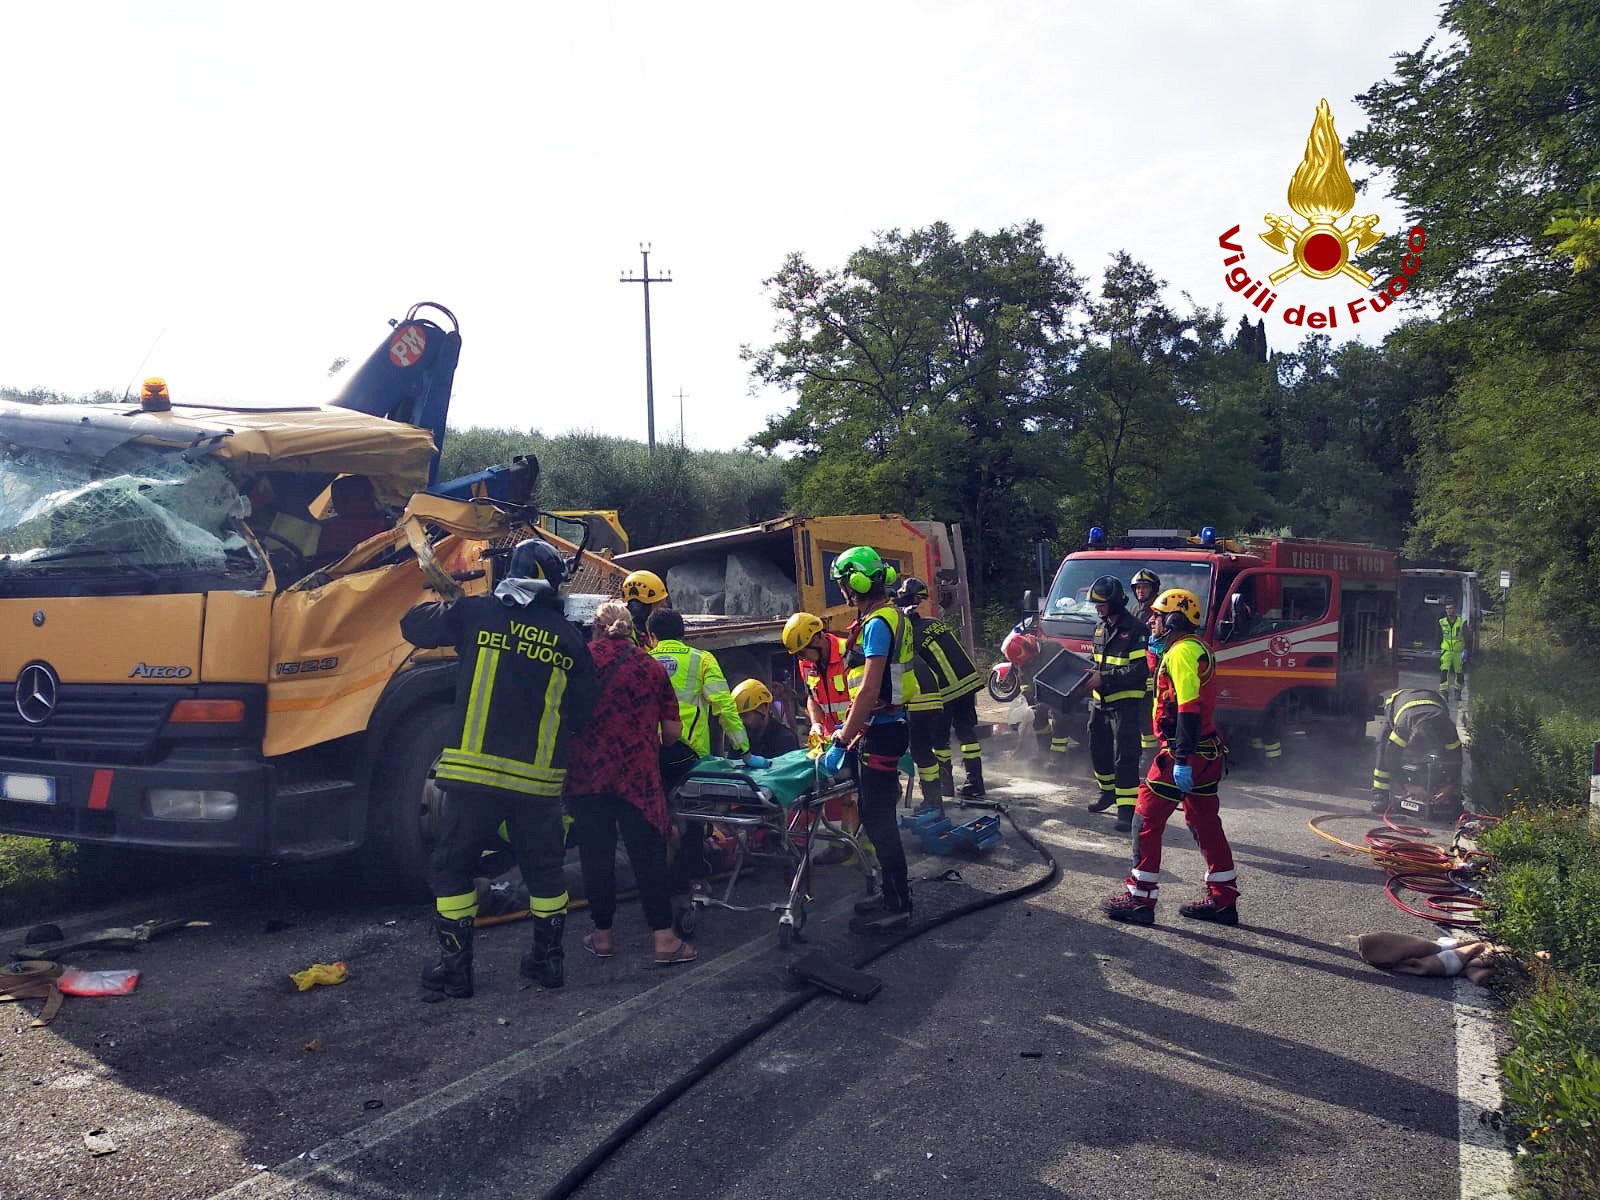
{"x": 737, "y": 588}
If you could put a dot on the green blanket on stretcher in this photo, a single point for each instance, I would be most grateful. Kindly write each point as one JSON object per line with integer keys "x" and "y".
{"x": 790, "y": 776}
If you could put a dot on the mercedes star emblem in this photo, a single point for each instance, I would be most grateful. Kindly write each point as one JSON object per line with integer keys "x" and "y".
{"x": 37, "y": 690}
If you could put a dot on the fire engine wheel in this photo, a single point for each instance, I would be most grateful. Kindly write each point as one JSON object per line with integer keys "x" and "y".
{"x": 1004, "y": 689}
{"x": 403, "y": 807}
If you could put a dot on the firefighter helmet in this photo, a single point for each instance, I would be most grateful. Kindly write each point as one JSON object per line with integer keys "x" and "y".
{"x": 535, "y": 558}
{"x": 644, "y": 586}
{"x": 1146, "y": 576}
{"x": 861, "y": 568}
{"x": 750, "y": 695}
{"x": 1179, "y": 609}
{"x": 799, "y": 629}
{"x": 1108, "y": 590}
{"x": 912, "y": 592}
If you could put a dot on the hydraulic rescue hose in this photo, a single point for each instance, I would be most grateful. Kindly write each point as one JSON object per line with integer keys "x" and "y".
{"x": 574, "y": 1179}
{"x": 1445, "y": 875}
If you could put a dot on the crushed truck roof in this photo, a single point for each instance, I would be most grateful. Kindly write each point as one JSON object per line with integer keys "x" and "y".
{"x": 290, "y": 438}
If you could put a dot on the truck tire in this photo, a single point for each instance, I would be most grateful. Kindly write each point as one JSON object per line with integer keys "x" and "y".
{"x": 403, "y": 806}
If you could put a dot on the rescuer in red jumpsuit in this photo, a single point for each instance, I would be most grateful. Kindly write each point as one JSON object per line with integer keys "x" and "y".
{"x": 1185, "y": 772}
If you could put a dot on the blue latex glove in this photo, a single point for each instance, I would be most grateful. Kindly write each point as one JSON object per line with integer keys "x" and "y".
{"x": 833, "y": 760}
{"x": 1183, "y": 776}
{"x": 757, "y": 762}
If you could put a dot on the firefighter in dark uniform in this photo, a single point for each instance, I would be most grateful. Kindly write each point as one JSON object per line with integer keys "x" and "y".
{"x": 525, "y": 686}
{"x": 1146, "y": 587}
{"x": 1415, "y": 720}
{"x": 1118, "y": 703}
{"x": 939, "y": 645}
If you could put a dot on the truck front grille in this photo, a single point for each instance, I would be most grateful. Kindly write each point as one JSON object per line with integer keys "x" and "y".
{"x": 91, "y": 723}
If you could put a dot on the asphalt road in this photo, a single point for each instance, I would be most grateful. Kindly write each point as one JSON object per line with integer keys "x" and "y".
{"x": 1030, "y": 1050}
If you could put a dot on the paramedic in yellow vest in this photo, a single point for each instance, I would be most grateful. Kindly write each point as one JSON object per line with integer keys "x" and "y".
{"x": 643, "y": 593}
{"x": 701, "y": 687}
{"x": 525, "y": 684}
{"x": 875, "y": 730}
{"x": 1452, "y": 650}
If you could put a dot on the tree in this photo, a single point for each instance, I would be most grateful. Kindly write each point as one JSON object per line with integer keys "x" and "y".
{"x": 925, "y": 376}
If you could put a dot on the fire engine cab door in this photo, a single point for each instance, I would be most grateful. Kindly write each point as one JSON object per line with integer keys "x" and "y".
{"x": 1277, "y": 627}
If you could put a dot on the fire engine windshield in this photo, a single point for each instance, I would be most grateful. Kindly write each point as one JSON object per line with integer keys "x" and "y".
{"x": 1069, "y": 609}
{"x": 142, "y": 518}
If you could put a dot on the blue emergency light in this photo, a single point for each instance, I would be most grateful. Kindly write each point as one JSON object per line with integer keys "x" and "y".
{"x": 1208, "y": 535}
{"x": 1097, "y": 536}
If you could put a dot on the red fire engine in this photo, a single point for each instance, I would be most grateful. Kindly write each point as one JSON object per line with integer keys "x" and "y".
{"x": 1302, "y": 630}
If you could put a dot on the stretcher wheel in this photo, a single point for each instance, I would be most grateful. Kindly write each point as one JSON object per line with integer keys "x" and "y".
{"x": 685, "y": 920}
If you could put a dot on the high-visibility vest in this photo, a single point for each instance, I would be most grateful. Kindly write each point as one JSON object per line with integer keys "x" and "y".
{"x": 1452, "y": 634}
{"x": 701, "y": 689}
{"x": 828, "y": 683}
{"x": 899, "y": 687}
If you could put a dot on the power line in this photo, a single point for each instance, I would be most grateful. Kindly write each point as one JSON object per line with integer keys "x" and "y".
{"x": 649, "y": 370}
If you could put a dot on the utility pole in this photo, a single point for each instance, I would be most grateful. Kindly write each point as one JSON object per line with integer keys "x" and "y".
{"x": 681, "y": 439}
{"x": 649, "y": 370}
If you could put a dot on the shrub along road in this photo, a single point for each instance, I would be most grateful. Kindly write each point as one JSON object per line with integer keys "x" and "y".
{"x": 1033, "y": 1049}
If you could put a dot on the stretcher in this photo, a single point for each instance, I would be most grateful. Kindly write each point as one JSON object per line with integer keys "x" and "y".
{"x": 773, "y": 814}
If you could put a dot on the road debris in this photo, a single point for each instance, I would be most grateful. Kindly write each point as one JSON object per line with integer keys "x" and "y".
{"x": 323, "y": 973}
{"x": 98, "y": 1142}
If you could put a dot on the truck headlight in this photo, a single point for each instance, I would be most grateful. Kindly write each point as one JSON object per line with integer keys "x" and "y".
{"x": 184, "y": 804}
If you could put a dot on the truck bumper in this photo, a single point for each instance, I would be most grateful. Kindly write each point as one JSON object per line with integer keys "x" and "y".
{"x": 135, "y": 806}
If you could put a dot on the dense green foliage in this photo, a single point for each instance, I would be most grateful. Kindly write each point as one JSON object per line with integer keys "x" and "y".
{"x": 661, "y": 497}
{"x": 1552, "y": 1086}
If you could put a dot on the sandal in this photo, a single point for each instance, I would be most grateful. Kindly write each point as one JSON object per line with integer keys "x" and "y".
{"x": 682, "y": 953}
{"x": 589, "y": 945}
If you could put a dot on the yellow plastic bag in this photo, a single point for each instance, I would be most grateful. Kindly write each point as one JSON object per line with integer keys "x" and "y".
{"x": 329, "y": 973}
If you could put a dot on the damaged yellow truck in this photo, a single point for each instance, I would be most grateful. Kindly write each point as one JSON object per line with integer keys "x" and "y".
{"x": 198, "y": 653}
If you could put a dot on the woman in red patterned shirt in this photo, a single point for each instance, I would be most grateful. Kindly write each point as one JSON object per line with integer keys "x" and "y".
{"x": 614, "y": 785}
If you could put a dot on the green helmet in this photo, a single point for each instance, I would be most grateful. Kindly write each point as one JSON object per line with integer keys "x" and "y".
{"x": 859, "y": 569}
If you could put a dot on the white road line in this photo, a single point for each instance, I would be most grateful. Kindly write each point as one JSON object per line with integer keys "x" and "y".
{"x": 326, "y": 1158}
{"x": 1486, "y": 1164}
{"x": 1485, "y": 1158}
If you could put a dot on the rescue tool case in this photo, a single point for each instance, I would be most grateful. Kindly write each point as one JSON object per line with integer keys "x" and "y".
{"x": 1063, "y": 681}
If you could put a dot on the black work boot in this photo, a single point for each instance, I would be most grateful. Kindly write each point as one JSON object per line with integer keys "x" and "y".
{"x": 546, "y": 963}
{"x": 932, "y": 796}
{"x": 1124, "y": 818}
{"x": 1107, "y": 799}
{"x": 451, "y": 976}
{"x": 893, "y": 916}
{"x": 973, "y": 788}
{"x": 1208, "y": 909}
{"x": 947, "y": 778}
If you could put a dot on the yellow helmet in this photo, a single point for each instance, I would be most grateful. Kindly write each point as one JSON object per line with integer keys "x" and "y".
{"x": 1179, "y": 608}
{"x": 799, "y": 629}
{"x": 750, "y": 695}
{"x": 644, "y": 586}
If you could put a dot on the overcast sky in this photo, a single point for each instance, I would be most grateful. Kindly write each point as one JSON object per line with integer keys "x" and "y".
{"x": 255, "y": 190}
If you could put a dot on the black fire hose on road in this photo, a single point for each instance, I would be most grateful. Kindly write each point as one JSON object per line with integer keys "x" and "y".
{"x": 642, "y": 1116}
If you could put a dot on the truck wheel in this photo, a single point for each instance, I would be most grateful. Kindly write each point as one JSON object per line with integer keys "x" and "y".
{"x": 403, "y": 807}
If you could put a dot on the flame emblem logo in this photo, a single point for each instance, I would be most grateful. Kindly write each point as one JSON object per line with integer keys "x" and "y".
{"x": 1321, "y": 192}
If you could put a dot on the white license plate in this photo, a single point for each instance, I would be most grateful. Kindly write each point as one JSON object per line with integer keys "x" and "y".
{"x": 29, "y": 789}
{"x": 1411, "y": 805}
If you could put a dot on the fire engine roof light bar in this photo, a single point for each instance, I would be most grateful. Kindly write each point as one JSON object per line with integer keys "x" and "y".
{"x": 1208, "y": 535}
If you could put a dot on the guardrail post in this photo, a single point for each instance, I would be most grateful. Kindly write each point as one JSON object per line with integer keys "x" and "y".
{"x": 1594, "y": 791}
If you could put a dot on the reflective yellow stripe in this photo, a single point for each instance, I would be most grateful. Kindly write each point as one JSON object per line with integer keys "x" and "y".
{"x": 498, "y": 779}
{"x": 550, "y": 721}
{"x": 534, "y": 772}
{"x": 1397, "y": 740}
{"x": 547, "y": 906}
{"x": 1113, "y": 660}
{"x": 453, "y": 908}
{"x": 483, "y": 672}
{"x": 1410, "y": 704}
{"x": 1116, "y": 696}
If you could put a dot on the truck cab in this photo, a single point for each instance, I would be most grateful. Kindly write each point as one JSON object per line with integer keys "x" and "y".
{"x": 1302, "y": 631}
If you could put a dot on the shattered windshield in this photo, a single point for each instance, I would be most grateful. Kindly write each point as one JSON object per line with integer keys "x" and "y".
{"x": 141, "y": 516}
